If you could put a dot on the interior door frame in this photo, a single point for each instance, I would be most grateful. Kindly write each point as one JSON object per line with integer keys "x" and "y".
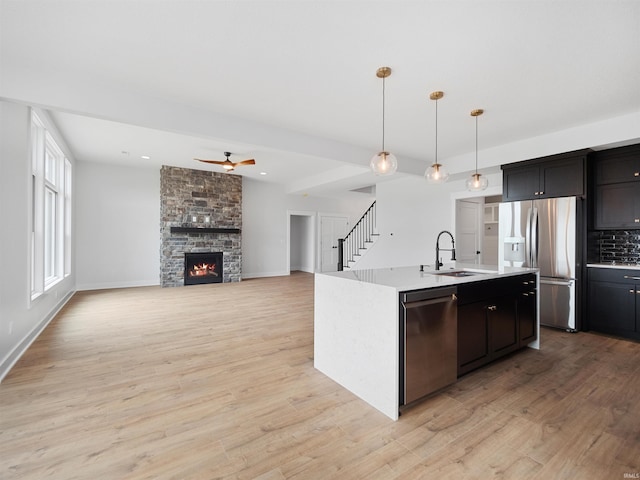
{"x": 319, "y": 235}
{"x": 314, "y": 235}
{"x": 466, "y": 195}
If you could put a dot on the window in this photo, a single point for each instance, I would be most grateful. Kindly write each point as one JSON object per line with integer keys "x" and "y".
{"x": 51, "y": 210}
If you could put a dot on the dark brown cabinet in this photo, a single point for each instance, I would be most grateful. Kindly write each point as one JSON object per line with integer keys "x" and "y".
{"x": 527, "y": 311}
{"x": 495, "y": 317}
{"x": 617, "y": 192}
{"x": 618, "y": 206}
{"x": 474, "y": 348}
{"x": 614, "y": 301}
{"x": 555, "y": 176}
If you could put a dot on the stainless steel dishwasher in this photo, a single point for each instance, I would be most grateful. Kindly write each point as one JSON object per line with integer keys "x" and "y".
{"x": 428, "y": 341}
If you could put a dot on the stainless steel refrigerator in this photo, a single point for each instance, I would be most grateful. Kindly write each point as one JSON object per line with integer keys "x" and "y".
{"x": 542, "y": 234}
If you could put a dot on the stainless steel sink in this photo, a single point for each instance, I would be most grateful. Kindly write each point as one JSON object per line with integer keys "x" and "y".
{"x": 463, "y": 272}
{"x": 457, "y": 273}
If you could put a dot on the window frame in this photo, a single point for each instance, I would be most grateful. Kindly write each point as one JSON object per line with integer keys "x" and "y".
{"x": 51, "y": 210}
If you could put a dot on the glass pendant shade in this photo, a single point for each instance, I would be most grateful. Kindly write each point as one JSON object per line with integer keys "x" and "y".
{"x": 477, "y": 183}
{"x": 436, "y": 173}
{"x": 384, "y": 163}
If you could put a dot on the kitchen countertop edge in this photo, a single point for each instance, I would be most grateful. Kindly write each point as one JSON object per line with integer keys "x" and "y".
{"x": 409, "y": 278}
{"x": 609, "y": 265}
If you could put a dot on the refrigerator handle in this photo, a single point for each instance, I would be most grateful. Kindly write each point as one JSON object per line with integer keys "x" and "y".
{"x": 527, "y": 240}
{"x": 534, "y": 237}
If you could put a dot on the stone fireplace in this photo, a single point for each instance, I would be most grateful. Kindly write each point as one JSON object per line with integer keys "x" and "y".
{"x": 200, "y": 213}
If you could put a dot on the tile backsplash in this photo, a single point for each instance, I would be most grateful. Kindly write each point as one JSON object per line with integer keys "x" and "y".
{"x": 619, "y": 246}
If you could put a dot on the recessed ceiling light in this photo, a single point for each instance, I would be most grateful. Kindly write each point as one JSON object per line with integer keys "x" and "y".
{"x": 263, "y": 173}
{"x": 145, "y": 157}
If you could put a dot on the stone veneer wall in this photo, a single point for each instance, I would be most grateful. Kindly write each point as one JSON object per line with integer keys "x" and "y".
{"x": 186, "y": 194}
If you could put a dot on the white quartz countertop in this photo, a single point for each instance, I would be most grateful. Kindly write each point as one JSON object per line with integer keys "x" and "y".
{"x": 411, "y": 278}
{"x": 617, "y": 265}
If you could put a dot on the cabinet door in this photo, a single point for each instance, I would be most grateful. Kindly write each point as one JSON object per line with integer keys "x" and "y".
{"x": 473, "y": 337}
{"x": 527, "y": 317}
{"x": 612, "y": 307}
{"x": 618, "y": 206}
{"x": 562, "y": 178}
{"x": 618, "y": 165}
{"x": 521, "y": 183}
{"x": 503, "y": 326}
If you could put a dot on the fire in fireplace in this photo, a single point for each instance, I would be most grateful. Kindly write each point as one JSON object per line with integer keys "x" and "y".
{"x": 203, "y": 268}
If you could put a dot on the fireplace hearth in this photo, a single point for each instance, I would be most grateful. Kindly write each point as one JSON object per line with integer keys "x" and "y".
{"x": 202, "y": 268}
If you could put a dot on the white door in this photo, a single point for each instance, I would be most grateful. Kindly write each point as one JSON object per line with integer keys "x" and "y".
{"x": 467, "y": 234}
{"x": 331, "y": 229}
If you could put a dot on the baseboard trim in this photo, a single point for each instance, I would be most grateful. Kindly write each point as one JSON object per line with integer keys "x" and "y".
{"x": 111, "y": 285}
{"x": 265, "y": 274}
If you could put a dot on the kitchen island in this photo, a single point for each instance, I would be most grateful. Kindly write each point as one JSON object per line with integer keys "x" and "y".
{"x": 358, "y": 324}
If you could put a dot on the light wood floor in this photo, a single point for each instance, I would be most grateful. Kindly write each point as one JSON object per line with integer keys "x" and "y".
{"x": 217, "y": 381}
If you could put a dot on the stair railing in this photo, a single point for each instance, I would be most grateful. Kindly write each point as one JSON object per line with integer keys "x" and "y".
{"x": 349, "y": 247}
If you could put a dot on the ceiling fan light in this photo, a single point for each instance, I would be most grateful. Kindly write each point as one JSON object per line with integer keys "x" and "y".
{"x": 477, "y": 183}
{"x": 436, "y": 173}
{"x": 384, "y": 163}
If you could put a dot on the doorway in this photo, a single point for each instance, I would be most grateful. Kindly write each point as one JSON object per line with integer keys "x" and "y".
{"x": 477, "y": 229}
{"x": 301, "y": 239}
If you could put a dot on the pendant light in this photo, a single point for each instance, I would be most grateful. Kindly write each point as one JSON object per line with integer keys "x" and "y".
{"x": 436, "y": 173}
{"x": 477, "y": 182}
{"x": 383, "y": 162}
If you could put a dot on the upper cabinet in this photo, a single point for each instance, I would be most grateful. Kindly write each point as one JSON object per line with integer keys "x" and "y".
{"x": 617, "y": 188}
{"x": 618, "y": 165}
{"x": 549, "y": 177}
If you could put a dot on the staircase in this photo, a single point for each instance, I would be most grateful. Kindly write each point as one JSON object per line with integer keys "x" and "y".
{"x": 360, "y": 239}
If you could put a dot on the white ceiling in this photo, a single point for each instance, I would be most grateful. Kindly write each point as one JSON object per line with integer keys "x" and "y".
{"x": 292, "y": 83}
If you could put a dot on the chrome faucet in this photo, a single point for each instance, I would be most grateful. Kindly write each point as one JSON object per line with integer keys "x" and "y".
{"x": 452, "y": 249}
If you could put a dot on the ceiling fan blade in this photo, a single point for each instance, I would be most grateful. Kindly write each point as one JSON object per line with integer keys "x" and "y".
{"x": 215, "y": 162}
{"x": 247, "y": 162}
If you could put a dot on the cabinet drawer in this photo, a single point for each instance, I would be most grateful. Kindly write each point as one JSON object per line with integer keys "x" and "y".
{"x": 615, "y": 275}
{"x": 488, "y": 289}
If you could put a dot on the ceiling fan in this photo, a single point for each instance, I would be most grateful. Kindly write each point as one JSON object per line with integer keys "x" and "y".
{"x": 227, "y": 164}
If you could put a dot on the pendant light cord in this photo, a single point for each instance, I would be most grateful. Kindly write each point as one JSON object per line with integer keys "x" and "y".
{"x": 383, "y": 79}
{"x": 436, "y": 131}
{"x": 476, "y": 144}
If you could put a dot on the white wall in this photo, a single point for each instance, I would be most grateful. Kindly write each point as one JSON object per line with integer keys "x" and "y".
{"x": 21, "y": 320}
{"x": 264, "y": 223}
{"x": 411, "y": 213}
{"x": 264, "y": 229}
{"x": 117, "y": 226}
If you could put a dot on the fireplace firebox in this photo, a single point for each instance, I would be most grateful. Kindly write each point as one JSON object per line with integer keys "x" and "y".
{"x": 203, "y": 268}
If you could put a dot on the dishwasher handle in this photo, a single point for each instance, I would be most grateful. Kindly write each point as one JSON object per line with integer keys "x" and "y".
{"x": 433, "y": 301}
{"x": 428, "y": 294}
